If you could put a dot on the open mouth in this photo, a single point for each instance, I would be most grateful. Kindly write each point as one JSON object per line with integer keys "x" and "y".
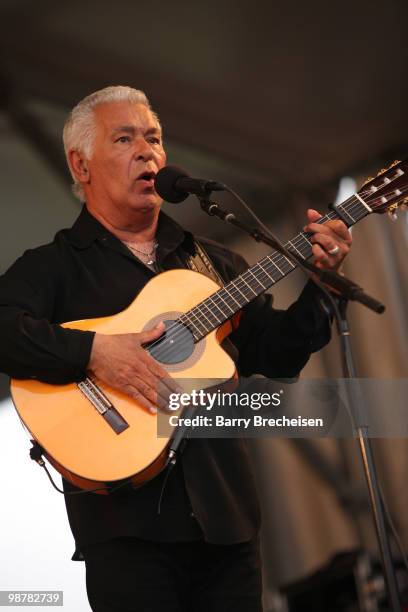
{"x": 147, "y": 177}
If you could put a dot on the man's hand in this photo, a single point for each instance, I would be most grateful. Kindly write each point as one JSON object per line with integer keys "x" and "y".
{"x": 331, "y": 241}
{"x": 120, "y": 361}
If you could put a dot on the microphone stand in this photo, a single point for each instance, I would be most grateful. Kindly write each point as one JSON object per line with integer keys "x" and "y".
{"x": 347, "y": 291}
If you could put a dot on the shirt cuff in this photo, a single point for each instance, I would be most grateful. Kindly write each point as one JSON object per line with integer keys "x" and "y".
{"x": 79, "y": 351}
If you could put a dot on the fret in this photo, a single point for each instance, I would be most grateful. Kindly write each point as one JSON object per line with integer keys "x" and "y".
{"x": 231, "y": 296}
{"x": 287, "y": 262}
{"x": 185, "y": 319}
{"x": 297, "y": 250}
{"x": 346, "y": 212}
{"x": 218, "y": 308}
{"x": 198, "y": 308}
{"x": 235, "y": 287}
{"x": 354, "y": 209}
{"x": 277, "y": 267}
{"x": 218, "y": 294}
{"x": 191, "y": 313}
{"x": 308, "y": 245}
{"x": 363, "y": 203}
{"x": 248, "y": 285}
{"x": 257, "y": 280}
{"x": 200, "y": 317}
{"x": 268, "y": 276}
{"x": 211, "y": 313}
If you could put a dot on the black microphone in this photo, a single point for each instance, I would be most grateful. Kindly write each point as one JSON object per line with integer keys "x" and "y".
{"x": 174, "y": 185}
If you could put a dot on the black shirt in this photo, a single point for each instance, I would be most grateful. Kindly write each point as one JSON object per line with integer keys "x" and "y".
{"x": 87, "y": 272}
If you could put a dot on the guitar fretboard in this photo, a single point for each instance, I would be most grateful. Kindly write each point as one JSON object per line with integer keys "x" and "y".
{"x": 223, "y": 304}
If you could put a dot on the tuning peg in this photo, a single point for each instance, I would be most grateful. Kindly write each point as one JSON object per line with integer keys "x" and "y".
{"x": 371, "y": 178}
{"x": 403, "y": 205}
{"x": 392, "y": 211}
{"x": 394, "y": 163}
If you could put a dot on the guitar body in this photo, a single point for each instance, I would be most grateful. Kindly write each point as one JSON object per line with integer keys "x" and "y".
{"x": 76, "y": 438}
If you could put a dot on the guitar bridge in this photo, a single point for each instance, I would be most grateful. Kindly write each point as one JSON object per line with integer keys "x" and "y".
{"x": 103, "y": 405}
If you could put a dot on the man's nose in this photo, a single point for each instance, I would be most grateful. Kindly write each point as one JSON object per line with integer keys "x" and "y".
{"x": 143, "y": 150}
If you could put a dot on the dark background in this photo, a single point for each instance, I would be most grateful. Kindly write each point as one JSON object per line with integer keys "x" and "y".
{"x": 279, "y": 99}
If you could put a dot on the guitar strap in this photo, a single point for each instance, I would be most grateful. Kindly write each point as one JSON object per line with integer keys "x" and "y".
{"x": 201, "y": 262}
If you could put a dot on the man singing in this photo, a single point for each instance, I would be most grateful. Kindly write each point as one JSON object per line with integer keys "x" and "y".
{"x": 201, "y": 552}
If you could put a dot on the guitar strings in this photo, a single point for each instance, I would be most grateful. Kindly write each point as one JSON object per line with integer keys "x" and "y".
{"x": 243, "y": 289}
{"x": 175, "y": 329}
{"x": 266, "y": 265}
{"x": 280, "y": 259}
{"x": 165, "y": 350}
{"x": 233, "y": 289}
{"x": 244, "y": 285}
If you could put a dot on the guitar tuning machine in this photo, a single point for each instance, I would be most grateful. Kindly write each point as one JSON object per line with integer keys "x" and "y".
{"x": 383, "y": 170}
{"x": 368, "y": 180}
{"x": 393, "y": 209}
{"x": 393, "y": 212}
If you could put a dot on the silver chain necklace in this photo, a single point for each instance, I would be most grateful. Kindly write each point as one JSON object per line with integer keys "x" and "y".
{"x": 147, "y": 256}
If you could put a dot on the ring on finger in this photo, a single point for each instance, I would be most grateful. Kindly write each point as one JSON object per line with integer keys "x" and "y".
{"x": 334, "y": 250}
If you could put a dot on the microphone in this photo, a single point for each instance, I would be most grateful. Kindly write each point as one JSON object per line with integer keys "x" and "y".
{"x": 173, "y": 184}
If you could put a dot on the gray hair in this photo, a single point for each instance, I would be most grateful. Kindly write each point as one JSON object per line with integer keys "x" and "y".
{"x": 79, "y": 129}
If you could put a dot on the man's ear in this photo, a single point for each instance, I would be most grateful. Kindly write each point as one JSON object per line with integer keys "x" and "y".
{"x": 79, "y": 166}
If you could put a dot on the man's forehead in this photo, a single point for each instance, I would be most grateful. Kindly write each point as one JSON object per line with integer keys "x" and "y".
{"x": 113, "y": 115}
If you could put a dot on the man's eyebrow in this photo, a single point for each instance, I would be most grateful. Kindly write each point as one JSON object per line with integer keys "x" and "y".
{"x": 124, "y": 128}
{"x": 130, "y": 129}
{"x": 153, "y": 130}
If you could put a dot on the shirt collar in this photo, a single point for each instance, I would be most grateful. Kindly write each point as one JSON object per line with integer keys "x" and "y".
{"x": 170, "y": 234}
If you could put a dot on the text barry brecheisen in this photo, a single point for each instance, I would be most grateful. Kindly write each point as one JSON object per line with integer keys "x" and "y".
{"x": 256, "y": 420}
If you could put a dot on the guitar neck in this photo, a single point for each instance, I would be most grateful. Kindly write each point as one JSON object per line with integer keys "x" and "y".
{"x": 223, "y": 304}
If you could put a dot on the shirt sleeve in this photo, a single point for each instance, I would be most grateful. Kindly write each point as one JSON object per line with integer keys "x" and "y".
{"x": 278, "y": 343}
{"x": 32, "y": 344}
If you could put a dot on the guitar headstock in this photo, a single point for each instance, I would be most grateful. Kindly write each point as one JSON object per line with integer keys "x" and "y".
{"x": 388, "y": 191}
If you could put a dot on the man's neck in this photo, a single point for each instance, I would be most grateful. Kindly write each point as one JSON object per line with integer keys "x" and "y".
{"x": 142, "y": 228}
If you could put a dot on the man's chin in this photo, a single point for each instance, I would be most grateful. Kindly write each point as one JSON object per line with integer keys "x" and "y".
{"x": 146, "y": 205}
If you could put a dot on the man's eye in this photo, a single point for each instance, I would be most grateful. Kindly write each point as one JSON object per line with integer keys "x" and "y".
{"x": 123, "y": 139}
{"x": 154, "y": 140}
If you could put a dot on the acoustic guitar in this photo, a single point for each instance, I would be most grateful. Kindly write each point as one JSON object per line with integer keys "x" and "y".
{"x": 95, "y": 435}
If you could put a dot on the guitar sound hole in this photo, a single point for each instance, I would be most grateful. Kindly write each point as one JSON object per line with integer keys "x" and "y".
{"x": 174, "y": 346}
